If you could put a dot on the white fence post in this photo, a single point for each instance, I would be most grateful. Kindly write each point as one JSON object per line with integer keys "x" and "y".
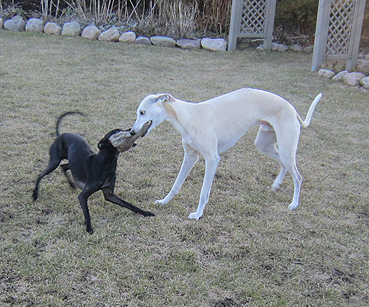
{"x": 234, "y": 29}
{"x": 252, "y": 18}
{"x": 338, "y": 31}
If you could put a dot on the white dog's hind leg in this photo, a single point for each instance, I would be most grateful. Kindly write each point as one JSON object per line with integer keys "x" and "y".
{"x": 297, "y": 180}
{"x": 278, "y": 181}
{"x": 288, "y": 137}
{"x": 266, "y": 143}
{"x": 190, "y": 158}
{"x": 211, "y": 165}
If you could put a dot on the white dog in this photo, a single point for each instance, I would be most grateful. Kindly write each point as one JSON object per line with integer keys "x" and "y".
{"x": 211, "y": 127}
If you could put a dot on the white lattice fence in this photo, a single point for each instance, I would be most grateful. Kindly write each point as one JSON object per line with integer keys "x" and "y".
{"x": 252, "y": 18}
{"x": 338, "y": 31}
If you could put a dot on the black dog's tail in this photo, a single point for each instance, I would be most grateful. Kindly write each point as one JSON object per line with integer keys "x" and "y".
{"x": 62, "y": 116}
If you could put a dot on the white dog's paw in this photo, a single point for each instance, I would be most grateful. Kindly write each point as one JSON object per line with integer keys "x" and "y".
{"x": 276, "y": 186}
{"x": 293, "y": 206}
{"x": 194, "y": 216}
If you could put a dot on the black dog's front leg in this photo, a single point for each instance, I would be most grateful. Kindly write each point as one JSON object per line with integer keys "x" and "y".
{"x": 83, "y": 197}
{"x": 110, "y": 196}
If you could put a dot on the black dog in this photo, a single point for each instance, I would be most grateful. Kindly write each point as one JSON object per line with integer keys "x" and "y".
{"x": 91, "y": 172}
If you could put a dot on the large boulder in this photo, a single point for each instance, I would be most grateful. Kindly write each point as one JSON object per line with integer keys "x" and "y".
{"x": 189, "y": 43}
{"x": 128, "y": 37}
{"x": 16, "y": 24}
{"x": 91, "y": 32}
{"x": 214, "y": 44}
{"x": 35, "y": 25}
{"x": 111, "y": 35}
{"x": 72, "y": 28}
{"x": 363, "y": 66}
{"x": 353, "y": 78}
{"x": 365, "y": 83}
{"x": 326, "y": 73}
{"x": 340, "y": 75}
{"x": 163, "y": 41}
{"x": 52, "y": 28}
{"x": 143, "y": 40}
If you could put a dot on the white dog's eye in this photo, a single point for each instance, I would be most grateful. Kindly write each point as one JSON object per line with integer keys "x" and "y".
{"x": 142, "y": 112}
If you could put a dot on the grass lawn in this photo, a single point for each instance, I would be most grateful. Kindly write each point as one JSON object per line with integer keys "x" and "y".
{"x": 247, "y": 250}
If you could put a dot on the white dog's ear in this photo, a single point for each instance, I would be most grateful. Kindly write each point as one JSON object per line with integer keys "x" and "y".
{"x": 164, "y": 98}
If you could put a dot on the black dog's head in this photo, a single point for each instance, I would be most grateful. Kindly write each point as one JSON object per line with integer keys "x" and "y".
{"x": 105, "y": 142}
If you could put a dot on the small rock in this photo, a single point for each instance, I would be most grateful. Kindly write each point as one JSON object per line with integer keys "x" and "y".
{"x": 142, "y": 40}
{"x": 189, "y": 43}
{"x": 91, "y": 32}
{"x": 308, "y": 49}
{"x": 363, "y": 66}
{"x": 16, "y": 24}
{"x": 128, "y": 37}
{"x": 260, "y": 51}
{"x": 1, "y": 23}
{"x": 340, "y": 75}
{"x": 52, "y": 28}
{"x": 296, "y": 48}
{"x": 365, "y": 83}
{"x": 214, "y": 44}
{"x": 326, "y": 73}
{"x": 111, "y": 35}
{"x": 279, "y": 47}
{"x": 72, "y": 28}
{"x": 163, "y": 41}
{"x": 35, "y": 25}
{"x": 353, "y": 78}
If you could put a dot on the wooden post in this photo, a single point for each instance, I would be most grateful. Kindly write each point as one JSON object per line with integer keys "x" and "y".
{"x": 270, "y": 13}
{"x": 321, "y": 33}
{"x": 328, "y": 40}
{"x": 234, "y": 29}
{"x": 356, "y": 34}
{"x": 252, "y": 18}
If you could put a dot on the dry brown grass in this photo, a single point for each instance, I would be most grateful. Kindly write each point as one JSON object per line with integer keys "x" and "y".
{"x": 247, "y": 250}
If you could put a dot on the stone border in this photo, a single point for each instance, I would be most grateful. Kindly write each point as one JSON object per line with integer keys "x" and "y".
{"x": 73, "y": 28}
{"x": 350, "y": 78}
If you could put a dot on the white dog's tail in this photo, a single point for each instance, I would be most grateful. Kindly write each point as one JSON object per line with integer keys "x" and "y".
{"x": 306, "y": 122}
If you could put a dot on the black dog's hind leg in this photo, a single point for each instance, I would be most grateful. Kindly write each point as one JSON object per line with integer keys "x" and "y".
{"x": 53, "y": 164}
{"x": 110, "y": 196}
{"x": 65, "y": 167}
{"x": 56, "y": 154}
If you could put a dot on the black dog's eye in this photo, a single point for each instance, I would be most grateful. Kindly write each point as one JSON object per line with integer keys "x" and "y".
{"x": 142, "y": 112}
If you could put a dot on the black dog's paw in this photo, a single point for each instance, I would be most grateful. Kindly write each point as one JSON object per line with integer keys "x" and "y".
{"x": 147, "y": 213}
{"x": 34, "y": 195}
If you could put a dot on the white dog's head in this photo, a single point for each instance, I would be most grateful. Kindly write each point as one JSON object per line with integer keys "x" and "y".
{"x": 151, "y": 110}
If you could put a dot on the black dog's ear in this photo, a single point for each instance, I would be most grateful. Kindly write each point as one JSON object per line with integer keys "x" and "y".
{"x": 106, "y": 139}
{"x": 103, "y": 143}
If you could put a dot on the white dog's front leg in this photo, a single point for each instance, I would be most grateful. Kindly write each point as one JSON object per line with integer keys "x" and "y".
{"x": 211, "y": 165}
{"x": 190, "y": 158}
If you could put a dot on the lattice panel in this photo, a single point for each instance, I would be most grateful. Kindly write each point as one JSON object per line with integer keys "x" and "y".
{"x": 340, "y": 27}
{"x": 253, "y": 17}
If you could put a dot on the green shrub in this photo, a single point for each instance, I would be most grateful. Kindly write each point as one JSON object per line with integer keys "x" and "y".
{"x": 297, "y": 16}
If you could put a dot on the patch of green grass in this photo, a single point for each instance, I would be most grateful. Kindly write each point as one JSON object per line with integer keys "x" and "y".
{"x": 247, "y": 250}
